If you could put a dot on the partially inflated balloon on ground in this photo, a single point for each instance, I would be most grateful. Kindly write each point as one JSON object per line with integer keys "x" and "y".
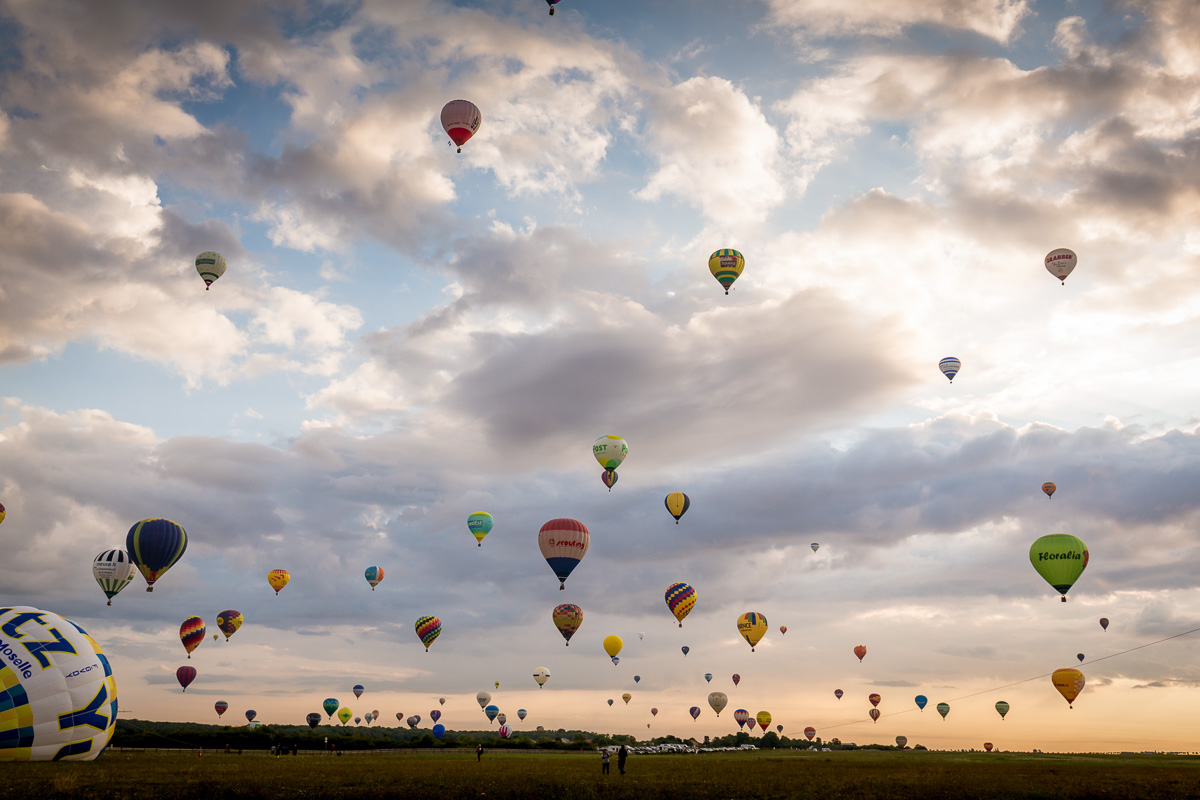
{"x": 1060, "y": 559}
{"x": 58, "y": 697}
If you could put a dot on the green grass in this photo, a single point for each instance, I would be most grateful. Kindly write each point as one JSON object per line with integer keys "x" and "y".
{"x": 500, "y": 775}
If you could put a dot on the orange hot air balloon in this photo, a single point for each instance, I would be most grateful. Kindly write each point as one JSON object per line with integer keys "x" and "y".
{"x": 988, "y": 746}
{"x": 860, "y": 651}
{"x": 1069, "y": 683}
{"x": 1048, "y": 487}
{"x": 874, "y": 698}
{"x": 783, "y": 628}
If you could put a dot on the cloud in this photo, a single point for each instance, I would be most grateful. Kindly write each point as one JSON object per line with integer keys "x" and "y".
{"x": 994, "y": 19}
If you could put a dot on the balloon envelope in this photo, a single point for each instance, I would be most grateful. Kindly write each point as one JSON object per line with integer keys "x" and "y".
{"x": 185, "y": 676}
{"x": 874, "y": 712}
{"x": 837, "y": 693}
{"x": 764, "y": 719}
{"x": 694, "y": 711}
{"x": 461, "y": 120}
{"x": 901, "y": 741}
{"x": 627, "y": 697}
{"x": 677, "y": 505}
{"x": 685, "y": 649}
{"x": 359, "y": 689}
{"x": 950, "y": 367}
{"x": 1061, "y": 262}
{"x": 610, "y": 451}
{"x": 491, "y": 712}
{"x": 229, "y": 621}
{"x": 541, "y": 675}
{"x": 1060, "y": 559}
{"x": 609, "y": 478}
{"x": 330, "y": 705}
{"x": 718, "y": 701}
{"x": 483, "y": 698}
{"x": 155, "y": 545}
{"x": 988, "y": 746}
{"x": 860, "y": 651}
{"x": 521, "y": 713}
{"x": 943, "y": 709}
{"x": 435, "y": 715}
{"x": 708, "y": 677}
{"x": 439, "y": 730}
{"x": 921, "y": 700}
{"x": 250, "y": 715}
{"x": 414, "y": 720}
{"x": 428, "y": 629}
{"x": 1001, "y": 708}
{"x": 613, "y": 645}
{"x": 726, "y": 266}
{"x": 567, "y": 618}
{"x": 874, "y": 698}
{"x": 563, "y": 542}
{"x": 344, "y": 714}
{"x": 810, "y": 732}
{"x": 1069, "y": 683}
{"x": 278, "y": 578}
{"x": 741, "y": 717}
{"x": 504, "y": 731}
{"x": 210, "y": 266}
{"x": 313, "y": 720}
{"x": 1104, "y": 623}
{"x": 221, "y": 707}
{"x": 736, "y": 679}
{"x": 1049, "y": 488}
{"x": 479, "y": 524}
{"x": 191, "y": 633}
{"x": 113, "y": 570}
{"x": 373, "y": 575}
{"x": 752, "y": 626}
{"x": 681, "y": 599}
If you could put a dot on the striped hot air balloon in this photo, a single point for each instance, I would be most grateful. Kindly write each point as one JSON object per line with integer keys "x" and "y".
{"x": 211, "y": 266}
{"x": 681, "y": 599}
{"x": 563, "y": 542}
{"x": 113, "y": 570}
{"x": 726, "y": 266}
{"x": 428, "y": 629}
{"x": 185, "y": 676}
{"x": 155, "y": 545}
{"x": 191, "y": 633}
{"x": 373, "y": 575}
{"x": 950, "y": 367}
{"x": 677, "y": 504}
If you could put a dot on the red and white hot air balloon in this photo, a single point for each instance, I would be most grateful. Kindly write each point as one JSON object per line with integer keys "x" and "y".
{"x": 461, "y": 119}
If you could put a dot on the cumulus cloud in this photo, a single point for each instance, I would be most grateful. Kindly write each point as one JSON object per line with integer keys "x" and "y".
{"x": 995, "y": 19}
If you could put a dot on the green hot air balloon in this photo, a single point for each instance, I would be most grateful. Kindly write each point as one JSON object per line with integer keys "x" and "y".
{"x": 1001, "y": 708}
{"x": 943, "y": 709}
{"x": 330, "y": 705}
{"x": 1059, "y": 558}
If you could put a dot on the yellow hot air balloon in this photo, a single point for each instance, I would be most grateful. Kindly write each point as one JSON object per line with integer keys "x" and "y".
{"x": 752, "y": 626}
{"x": 677, "y": 505}
{"x": 764, "y": 719}
{"x": 1069, "y": 683}
{"x": 627, "y": 697}
{"x": 278, "y": 578}
{"x": 344, "y": 714}
{"x": 726, "y": 265}
{"x": 613, "y": 645}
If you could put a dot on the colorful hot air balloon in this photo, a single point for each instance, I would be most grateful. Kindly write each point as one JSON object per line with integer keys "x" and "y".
{"x": 988, "y": 746}
{"x": 439, "y": 731}
{"x": 428, "y": 629}
{"x": 563, "y": 543}
{"x": 610, "y": 701}
{"x": 1060, "y": 559}
{"x": 155, "y": 545}
{"x": 810, "y": 732}
{"x": 874, "y": 712}
{"x": 610, "y": 451}
{"x": 373, "y": 575}
{"x": 504, "y": 730}
{"x": 278, "y": 578}
{"x": 567, "y": 618}
{"x": 741, "y": 717}
{"x": 185, "y": 676}
{"x": 483, "y": 698}
{"x": 654, "y": 712}
{"x": 613, "y": 645}
{"x": 815, "y": 546}
{"x": 435, "y": 715}
{"x": 950, "y": 367}
{"x": 609, "y": 478}
{"x": 637, "y": 678}
{"x": 522, "y": 713}
{"x": 901, "y": 741}
{"x": 764, "y": 719}
{"x": 229, "y": 621}
{"x": 694, "y": 711}
{"x": 461, "y": 120}
{"x": 736, "y": 679}
{"x": 874, "y": 698}
{"x": 479, "y": 524}
{"x": 1104, "y": 623}
{"x": 58, "y": 697}
{"x": 1049, "y": 488}
{"x": 681, "y": 599}
{"x": 726, "y": 266}
{"x": 685, "y": 649}
{"x": 211, "y": 266}
{"x": 943, "y": 709}
{"x": 330, "y": 705}
{"x": 191, "y": 633}
{"x": 313, "y": 720}
{"x": 837, "y": 693}
{"x": 501, "y": 718}
{"x": 1060, "y": 262}
{"x": 497, "y": 685}
{"x": 627, "y": 697}
{"x": 491, "y": 712}
{"x": 718, "y": 701}
{"x": 541, "y": 675}
{"x": 552, "y": 4}
{"x": 250, "y": 715}
{"x": 1069, "y": 683}
{"x": 752, "y": 626}
{"x": 921, "y": 700}
{"x": 2, "y": 512}
{"x": 1001, "y": 708}
{"x": 860, "y": 651}
{"x": 221, "y": 707}
{"x": 708, "y": 677}
{"x": 677, "y": 505}
{"x": 358, "y": 690}
{"x": 641, "y": 635}
{"x": 113, "y": 570}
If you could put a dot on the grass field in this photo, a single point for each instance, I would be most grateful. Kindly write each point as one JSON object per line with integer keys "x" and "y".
{"x": 777, "y": 774}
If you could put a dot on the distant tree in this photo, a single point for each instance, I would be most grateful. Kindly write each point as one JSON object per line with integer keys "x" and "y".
{"x": 769, "y": 741}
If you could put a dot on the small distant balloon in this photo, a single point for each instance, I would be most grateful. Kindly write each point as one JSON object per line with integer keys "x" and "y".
{"x": 185, "y": 676}
{"x": 718, "y": 701}
{"x": 654, "y": 712}
{"x": 837, "y": 693}
{"x": 113, "y": 570}
{"x": 1001, "y": 708}
{"x": 278, "y": 578}
{"x": 763, "y": 718}
{"x": 210, "y": 266}
{"x": 1069, "y": 683}
{"x": 1080, "y": 656}
{"x": 752, "y": 626}
{"x": 741, "y": 717}
{"x": 613, "y": 645}
{"x": 1104, "y": 623}
{"x": 874, "y": 712}
{"x": 344, "y": 714}
{"x": 860, "y": 651}
{"x": 441, "y": 701}
{"x": 373, "y": 575}
{"x": 229, "y": 621}
{"x": 627, "y": 697}
{"x": 901, "y": 741}
{"x": 1061, "y": 262}
{"x": 479, "y": 524}
{"x": 736, "y": 679}
{"x": 943, "y": 709}
{"x": 681, "y": 599}
{"x": 685, "y": 649}
{"x": 483, "y": 698}
{"x": 313, "y": 720}
{"x": 609, "y": 478}
{"x": 1049, "y": 488}
{"x": 637, "y": 678}
{"x": 677, "y": 505}
{"x": 921, "y": 700}
{"x": 359, "y": 689}
{"x": 567, "y": 618}
{"x": 191, "y": 633}
{"x": 428, "y": 629}
{"x": 413, "y": 721}
{"x": 988, "y": 746}
{"x": 726, "y": 266}
{"x": 708, "y": 677}
{"x": 502, "y": 718}
{"x": 874, "y": 699}
{"x": 610, "y": 701}
{"x": 221, "y": 707}
{"x": 439, "y": 731}
{"x": 810, "y": 732}
{"x": 461, "y": 120}
{"x": 435, "y": 715}
{"x": 330, "y": 705}
{"x": 1060, "y": 559}
{"x": 815, "y": 546}
{"x": 541, "y": 675}
{"x": 783, "y": 629}
{"x": 950, "y": 367}
{"x": 694, "y": 711}
{"x": 250, "y": 715}
{"x": 521, "y": 713}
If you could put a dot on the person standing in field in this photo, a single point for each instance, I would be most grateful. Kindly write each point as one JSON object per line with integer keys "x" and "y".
{"x": 478, "y": 751}
{"x": 621, "y": 756}
{"x": 604, "y": 756}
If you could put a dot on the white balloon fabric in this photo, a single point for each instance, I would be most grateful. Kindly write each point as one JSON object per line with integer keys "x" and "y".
{"x": 58, "y": 697}
{"x": 113, "y": 570}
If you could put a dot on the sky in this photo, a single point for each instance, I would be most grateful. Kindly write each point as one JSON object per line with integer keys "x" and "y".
{"x": 406, "y": 335}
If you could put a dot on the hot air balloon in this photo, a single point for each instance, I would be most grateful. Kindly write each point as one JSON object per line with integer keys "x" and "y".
{"x": 501, "y": 718}
{"x": 439, "y": 731}
{"x": 810, "y": 732}
{"x": 428, "y": 629}
{"x": 736, "y": 679}
{"x": 1001, "y": 708}
{"x": 441, "y": 701}
{"x": 373, "y": 575}
{"x": 874, "y": 698}
{"x": 191, "y": 633}
{"x": 741, "y": 717}
{"x": 211, "y": 266}
{"x": 874, "y": 712}
{"x": 610, "y": 701}
{"x": 155, "y": 545}
{"x": 708, "y": 677}
{"x": 185, "y": 676}
{"x": 496, "y": 685}
{"x": 1104, "y": 623}
{"x": 610, "y": 451}
{"x": 491, "y": 712}
{"x": 764, "y": 719}
{"x": 1069, "y": 683}
{"x": 950, "y": 367}
{"x": 250, "y": 715}
{"x": 479, "y": 524}
{"x": 860, "y": 651}
{"x": 681, "y": 599}
{"x": 330, "y": 705}
{"x": 613, "y": 645}
{"x": 779, "y": 728}
{"x": 943, "y": 709}
{"x": 229, "y": 621}
{"x": 483, "y": 698}
{"x": 677, "y": 505}
{"x": 921, "y": 700}
{"x": 1060, "y": 262}
{"x": 837, "y": 693}
{"x": 313, "y": 720}
{"x": 815, "y": 546}
{"x": 504, "y": 731}
{"x": 220, "y": 707}
{"x": 552, "y": 4}
{"x": 637, "y": 678}
{"x": 541, "y": 675}
{"x": 400, "y": 716}
{"x": 1080, "y": 656}
{"x": 435, "y": 715}
{"x": 627, "y": 697}
{"x": 567, "y": 618}
{"x": 414, "y": 720}
{"x": 1060, "y": 559}
{"x": 358, "y": 690}
{"x": 2, "y": 512}
{"x": 609, "y": 478}
{"x": 783, "y": 629}
{"x": 461, "y": 120}
{"x": 901, "y": 741}
{"x": 988, "y": 746}
{"x": 113, "y": 570}
{"x": 694, "y": 711}
{"x": 521, "y": 713}
{"x": 685, "y": 649}
{"x": 278, "y": 578}
{"x": 1049, "y": 488}
{"x": 718, "y": 701}
{"x": 563, "y": 543}
{"x": 58, "y": 698}
{"x": 344, "y": 714}
{"x": 726, "y": 266}
{"x": 654, "y": 712}
{"x": 752, "y": 626}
